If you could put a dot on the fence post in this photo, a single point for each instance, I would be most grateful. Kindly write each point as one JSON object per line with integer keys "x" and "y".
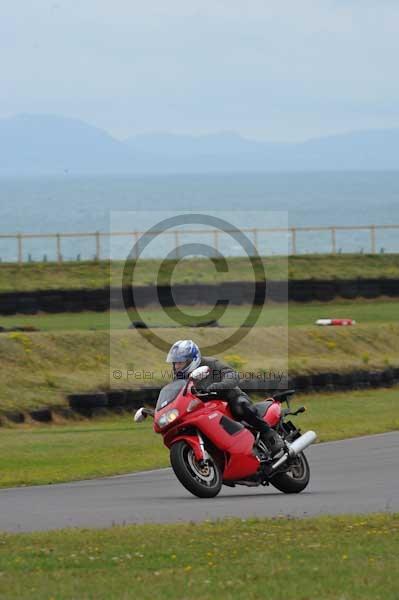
{"x": 97, "y": 257}
{"x": 372, "y": 239}
{"x": 333, "y": 240}
{"x": 59, "y": 255}
{"x": 20, "y": 254}
{"x": 293, "y": 240}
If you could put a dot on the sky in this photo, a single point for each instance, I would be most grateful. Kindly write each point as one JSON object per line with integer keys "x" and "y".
{"x": 282, "y": 70}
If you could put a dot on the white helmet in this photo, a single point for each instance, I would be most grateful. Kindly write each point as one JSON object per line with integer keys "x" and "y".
{"x": 184, "y": 351}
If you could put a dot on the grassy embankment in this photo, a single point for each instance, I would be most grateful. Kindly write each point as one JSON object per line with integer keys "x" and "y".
{"x": 38, "y": 369}
{"x": 328, "y": 558}
{"x": 78, "y": 275}
{"x": 52, "y": 454}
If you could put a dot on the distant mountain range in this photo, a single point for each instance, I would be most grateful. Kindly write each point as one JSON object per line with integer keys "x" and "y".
{"x": 50, "y": 145}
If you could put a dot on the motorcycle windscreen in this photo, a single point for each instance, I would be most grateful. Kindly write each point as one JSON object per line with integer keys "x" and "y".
{"x": 169, "y": 393}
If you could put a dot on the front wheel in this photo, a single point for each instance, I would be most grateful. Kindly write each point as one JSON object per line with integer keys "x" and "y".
{"x": 204, "y": 481}
{"x": 296, "y": 478}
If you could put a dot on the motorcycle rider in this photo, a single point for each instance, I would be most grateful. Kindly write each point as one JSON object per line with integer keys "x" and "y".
{"x": 185, "y": 356}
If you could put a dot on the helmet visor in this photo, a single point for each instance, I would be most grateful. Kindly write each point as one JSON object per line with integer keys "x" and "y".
{"x": 178, "y": 354}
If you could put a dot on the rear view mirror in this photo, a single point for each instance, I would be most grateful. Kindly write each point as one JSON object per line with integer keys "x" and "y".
{"x": 140, "y": 415}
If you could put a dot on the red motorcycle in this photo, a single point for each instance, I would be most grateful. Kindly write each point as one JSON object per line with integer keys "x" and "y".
{"x": 208, "y": 448}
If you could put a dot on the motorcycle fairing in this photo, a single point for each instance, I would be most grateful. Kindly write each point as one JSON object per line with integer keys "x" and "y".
{"x": 273, "y": 414}
{"x": 237, "y": 447}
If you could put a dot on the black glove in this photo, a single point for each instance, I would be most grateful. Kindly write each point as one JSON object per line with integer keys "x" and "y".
{"x": 203, "y": 394}
{"x": 214, "y": 387}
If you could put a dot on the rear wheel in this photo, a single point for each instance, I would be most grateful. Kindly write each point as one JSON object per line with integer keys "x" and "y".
{"x": 296, "y": 478}
{"x": 202, "y": 480}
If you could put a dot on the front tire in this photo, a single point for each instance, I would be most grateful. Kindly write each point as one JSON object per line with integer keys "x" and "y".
{"x": 202, "y": 481}
{"x": 296, "y": 479}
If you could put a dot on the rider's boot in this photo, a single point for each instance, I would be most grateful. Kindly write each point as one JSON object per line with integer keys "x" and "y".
{"x": 273, "y": 441}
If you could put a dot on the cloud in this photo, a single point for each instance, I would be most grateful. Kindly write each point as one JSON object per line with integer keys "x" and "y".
{"x": 193, "y": 65}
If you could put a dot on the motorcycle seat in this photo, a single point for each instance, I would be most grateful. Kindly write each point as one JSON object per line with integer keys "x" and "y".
{"x": 262, "y": 407}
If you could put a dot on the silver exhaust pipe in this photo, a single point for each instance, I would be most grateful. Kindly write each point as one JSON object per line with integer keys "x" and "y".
{"x": 295, "y": 448}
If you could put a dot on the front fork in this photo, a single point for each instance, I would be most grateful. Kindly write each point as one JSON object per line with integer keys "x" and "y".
{"x": 205, "y": 455}
{"x": 196, "y": 443}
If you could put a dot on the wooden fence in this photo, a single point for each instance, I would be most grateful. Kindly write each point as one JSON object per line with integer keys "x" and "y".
{"x": 254, "y": 233}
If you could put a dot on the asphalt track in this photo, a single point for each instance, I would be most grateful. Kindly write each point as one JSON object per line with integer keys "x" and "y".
{"x": 359, "y": 475}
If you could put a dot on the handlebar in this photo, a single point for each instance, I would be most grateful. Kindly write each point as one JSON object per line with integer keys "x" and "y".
{"x": 203, "y": 395}
{"x": 288, "y": 411}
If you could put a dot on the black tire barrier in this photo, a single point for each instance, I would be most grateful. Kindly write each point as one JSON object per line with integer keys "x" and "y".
{"x": 117, "y": 398}
{"x": 375, "y": 379}
{"x": 333, "y": 382}
{"x": 43, "y": 415}
{"x": 389, "y": 287}
{"x": 360, "y": 379}
{"x": 277, "y": 291}
{"x": 237, "y": 292}
{"x": 14, "y": 416}
{"x": 27, "y": 305}
{"x": 387, "y": 377}
{"x": 300, "y": 291}
{"x": 340, "y": 381}
{"x": 8, "y": 303}
{"x": 74, "y": 299}
{"x": 323, "y": 291}
{"x": 321, "y": 380}
{"x": 369, "y": 288}
{"x": 134, "y": 400}
{"x": 261, "y": 386}
{"x": 302, "y": 383}
{"x": 347, "y": 289}
{"x": 85, "y": 404}
{"x": 138, "y": 398}
{"x": 51, "y": 302}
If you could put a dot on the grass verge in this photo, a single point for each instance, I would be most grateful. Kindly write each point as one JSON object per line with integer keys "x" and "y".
{"x": 293, "y": 314}
{"x": 328, "y": 558}
{"x": 52, "y": 454}
{"x": 77, "y": 275}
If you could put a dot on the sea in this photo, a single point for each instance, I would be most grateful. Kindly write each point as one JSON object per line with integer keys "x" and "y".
{"x": 68, "y": 204}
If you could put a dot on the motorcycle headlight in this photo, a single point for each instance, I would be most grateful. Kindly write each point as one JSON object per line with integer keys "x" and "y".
{"x": 168, "y": 417}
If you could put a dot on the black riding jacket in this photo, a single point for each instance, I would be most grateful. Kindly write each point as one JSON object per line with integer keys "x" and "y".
{"x": 225, "y": 380}
{"x": 222, "y": 379}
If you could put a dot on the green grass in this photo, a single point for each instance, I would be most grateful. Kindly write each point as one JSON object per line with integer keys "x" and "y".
{"x": 33, "y": 276}
{"x": 81, "y": 450}
{"x": 295, "y": 314}
{"x": 39, "y": 369}
{"x": 327, "y": 558}
{"x": 51, "y": 454}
